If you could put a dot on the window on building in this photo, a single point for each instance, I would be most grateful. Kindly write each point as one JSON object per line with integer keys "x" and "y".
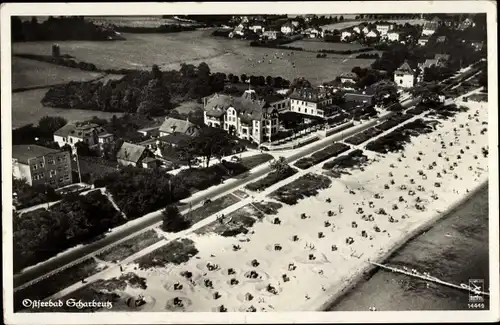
{"x": 305, "y": 110}
{"x": 52, "y": 173}
{"x": 299, "y": 109}
{"x": 51, "y": 161}
{"x": 66, "y": 177}
{"x": 70, "y": 140}
{"x": 60, "y": 179}
{"x": 41, "y": 165}
{"x": 401, "y": 81}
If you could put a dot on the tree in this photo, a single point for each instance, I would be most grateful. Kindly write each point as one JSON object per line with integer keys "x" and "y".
{"x": 280, "y": 165}
{"x": 67, "y": 148}
{"x": 341, "y": 18}
{"x": 83, "y": 149}
{"x": 186, "y": 151}
{"x": 188, "y": 70}
{"x": 235, "y": 79}
{"x": 244, "y": 78}
{"x": 155, "y": 99}
{"x": 173, "y": 220}
{"x": 254, "y": 81}
{"x": 217, "y": 82}
{"x": 300, "y": 83}
{"x": 49, "y": 124}
{"x": 212, "y": 142}
{"x": 396, "y": 107}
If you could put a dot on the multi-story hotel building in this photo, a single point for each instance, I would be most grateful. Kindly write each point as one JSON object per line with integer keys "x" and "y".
{"x": 247, "y": 117}
{"x": 40, "y": 165}
{"x": 314, "y": 102}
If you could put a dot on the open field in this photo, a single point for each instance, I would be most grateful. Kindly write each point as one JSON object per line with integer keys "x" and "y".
{"x": 30, "y": 73}
{"x": 141, "y": 51}
{"x": 136, "y": 21}
{"x": 317, "y": 45}
{"x": 26, "y": 109}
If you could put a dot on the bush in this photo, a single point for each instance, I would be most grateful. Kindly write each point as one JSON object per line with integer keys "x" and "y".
{"x": 305, "y": 186}
{"x": 354, "y": 158}
{"x": 173, "y": 220}
{"x": 393, "y": 121}
{"x": 322, "y": 155}
{"x": 363, "y": 136}
{"x": 396, "y": 140}
{"x": 270, "y": 179}
{"x": 368, "y": 56}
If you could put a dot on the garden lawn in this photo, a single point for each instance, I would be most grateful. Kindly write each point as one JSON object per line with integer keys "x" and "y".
{"x": 208, "y": 209}
{"x": 176, "y": 252}
{"x": 270, "y": 179}
{"x": 322, "y": 155}
{"x": 131, "y": 246}
{"x": 234, "y": 223}
{"x": 305, "y": 186}
{"x": 256, "y": 160}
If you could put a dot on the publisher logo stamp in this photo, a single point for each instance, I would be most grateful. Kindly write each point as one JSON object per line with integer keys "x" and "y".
{"x": 477, "y": 286}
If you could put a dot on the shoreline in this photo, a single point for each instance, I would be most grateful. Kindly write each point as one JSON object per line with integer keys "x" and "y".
{"x": 354, "y": 280}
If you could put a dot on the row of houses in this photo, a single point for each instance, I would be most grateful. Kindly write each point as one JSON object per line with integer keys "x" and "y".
{"x": 273, "y": 30}
{"x": 406, "y": 76}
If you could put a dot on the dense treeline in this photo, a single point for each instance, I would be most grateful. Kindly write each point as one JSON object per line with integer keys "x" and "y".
{"x": 41, "y": 234}
{"x": 368, "y": 56}
{"x": 167, "y": 28}
{"x": 60, "y": 29}
{"x": 144, "y": 92}
{"x": 362, "y": 50}
{"x": 150, "y": 92}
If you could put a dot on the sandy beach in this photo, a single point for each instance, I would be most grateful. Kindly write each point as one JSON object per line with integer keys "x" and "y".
{"x": 324, "y": 243}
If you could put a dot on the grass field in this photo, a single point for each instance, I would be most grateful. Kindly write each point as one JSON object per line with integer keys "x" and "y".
{"x": 136, "y": 21}
{"x": 26, "y": 109}
{"x": 31, "y": 73}
{"x": 131, "y": 246}
{"x": 224, "y": 55}
{"x": 317, "y": 45}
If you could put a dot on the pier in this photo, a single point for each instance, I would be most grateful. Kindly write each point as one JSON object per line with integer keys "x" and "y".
{"x": 432, "y": 279}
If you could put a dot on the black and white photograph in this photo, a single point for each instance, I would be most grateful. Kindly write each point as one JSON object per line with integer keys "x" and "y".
{"x": 241, "y": 162}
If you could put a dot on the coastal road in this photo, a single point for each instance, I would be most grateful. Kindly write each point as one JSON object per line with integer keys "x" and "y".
{"x": 76, "y": 255}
